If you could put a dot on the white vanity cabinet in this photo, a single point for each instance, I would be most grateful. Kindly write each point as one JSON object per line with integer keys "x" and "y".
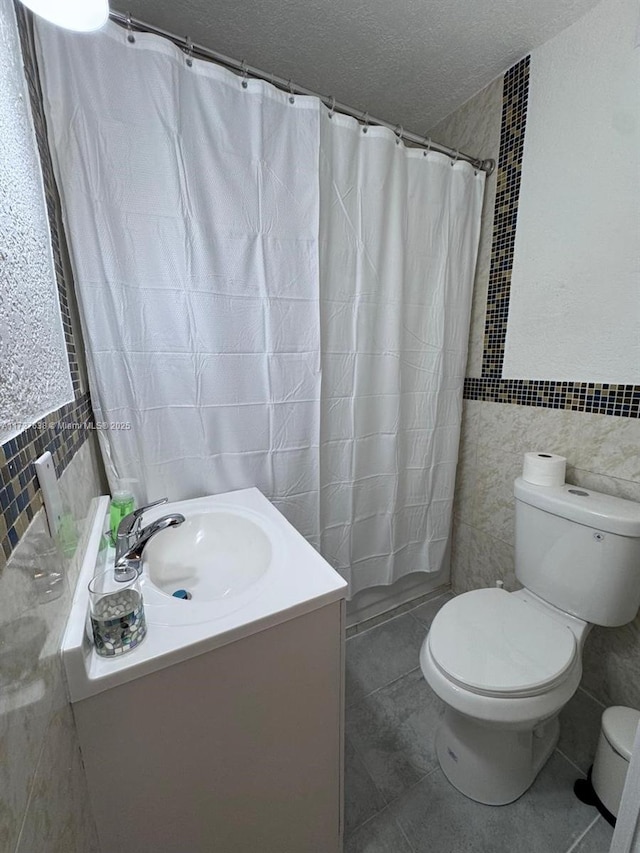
{"x": 233, "y": 751}
{"x": 224, "y": 736}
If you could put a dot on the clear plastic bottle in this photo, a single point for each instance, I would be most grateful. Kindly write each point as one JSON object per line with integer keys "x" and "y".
{"x": 122, "y": 503}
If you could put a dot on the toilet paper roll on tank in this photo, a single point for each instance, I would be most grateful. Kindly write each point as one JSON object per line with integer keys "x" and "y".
{"x": 544, "y": 469}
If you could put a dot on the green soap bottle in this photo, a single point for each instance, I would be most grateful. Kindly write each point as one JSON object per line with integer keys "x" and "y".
{"x": 122, "y": 503}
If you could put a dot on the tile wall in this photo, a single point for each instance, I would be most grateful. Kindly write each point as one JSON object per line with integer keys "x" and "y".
{"x": 44, "y": 803}
{"x": 501, "y": 421}
{"x": 488, "y": 385}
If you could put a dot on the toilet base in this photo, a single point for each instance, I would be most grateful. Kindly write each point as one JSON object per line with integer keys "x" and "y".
{"x": 491, "y": 764}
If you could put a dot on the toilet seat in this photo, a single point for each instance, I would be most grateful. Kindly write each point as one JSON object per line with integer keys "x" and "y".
{"x": 492, "y": 643}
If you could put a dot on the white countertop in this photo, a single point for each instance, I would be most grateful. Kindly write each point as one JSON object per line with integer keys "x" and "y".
{"x": 298, "y": 581}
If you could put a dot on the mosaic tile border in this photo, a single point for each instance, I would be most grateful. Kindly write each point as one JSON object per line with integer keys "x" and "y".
{"x": 599, "y": 398}
{"x": 62, "y": 432}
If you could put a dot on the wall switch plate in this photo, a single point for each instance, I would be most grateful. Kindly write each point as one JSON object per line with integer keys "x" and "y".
{"x": 48, "y": 480}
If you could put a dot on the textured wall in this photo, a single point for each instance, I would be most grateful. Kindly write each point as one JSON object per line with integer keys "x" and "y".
{"x": 579, "y": 208}
{"x": 20, "y": 496}
{"x": 44, "y": 803}
{"x": 35, "y": 375}
{"x": 475, "y": 128}
{"x": 603, "y": 453}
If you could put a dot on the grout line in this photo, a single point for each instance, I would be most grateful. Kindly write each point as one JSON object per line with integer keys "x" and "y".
{"x": 581, "y": 837}
{"x": 364, "y": 823}
{"x": 360, "y": 758}
{"x": 384, "y": 798}
{"x": 404, "y": 835}
{"x": 404, "y": 794}
{"x": 368, "y": 820}
{"x": 591, "y": 696}
{"x": 377, "y": 690}
{"x": 424, "y": 627}
{"x": 601, "y": 474}
{"x": 571, "y": 762}
{"x": 435, "y": 767}
{"x": 413, "y": 785}
{"x": 386, "y": 808}
{"x": 31, "y": 796}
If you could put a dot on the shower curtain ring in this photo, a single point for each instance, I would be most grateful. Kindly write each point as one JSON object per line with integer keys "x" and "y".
{"x": 189, "y": 51}
{"x": 332, "y": 108}
{"x": 426, "y": 153}
{"x": 365, "y": 122}
{"x": 292, "y": 100}
{"x": 130, "y": 37}
{"x": 455, "y": 158}
{"x": 399, "y": 134}
{"x": 488, "y": 166}
{"x": 245, "y": 73}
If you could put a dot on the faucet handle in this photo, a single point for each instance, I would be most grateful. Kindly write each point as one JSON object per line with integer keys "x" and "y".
{"x": 138, "y": 512}
{"x": 128, "y": 523}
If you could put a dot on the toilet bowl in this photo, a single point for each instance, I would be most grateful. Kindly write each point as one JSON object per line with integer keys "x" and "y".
{"x": 505, "y": 664}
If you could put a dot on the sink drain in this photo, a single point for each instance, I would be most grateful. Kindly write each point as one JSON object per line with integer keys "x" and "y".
{"x": 182, "y": 593}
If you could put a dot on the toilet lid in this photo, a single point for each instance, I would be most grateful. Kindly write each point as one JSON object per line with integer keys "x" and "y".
{"x": 490, "y": 641}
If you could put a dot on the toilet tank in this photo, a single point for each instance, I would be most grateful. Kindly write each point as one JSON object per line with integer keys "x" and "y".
{"x": 579, "y": 550}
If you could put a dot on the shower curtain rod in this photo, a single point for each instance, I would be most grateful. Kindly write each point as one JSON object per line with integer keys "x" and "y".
{"x": 191, "y": 49}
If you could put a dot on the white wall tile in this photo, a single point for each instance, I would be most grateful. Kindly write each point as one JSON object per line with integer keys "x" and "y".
{"x": 43, "y": 799}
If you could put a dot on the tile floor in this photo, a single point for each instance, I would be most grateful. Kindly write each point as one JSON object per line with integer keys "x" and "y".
{"x": 397, "y": 798}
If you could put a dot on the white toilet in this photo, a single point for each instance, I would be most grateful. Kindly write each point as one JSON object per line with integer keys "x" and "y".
{"x": 506, "y": 663}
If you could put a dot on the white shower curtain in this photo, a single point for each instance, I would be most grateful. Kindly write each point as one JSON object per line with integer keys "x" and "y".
{"x": 398, "y": 239}
{"x": 270, "y": 296}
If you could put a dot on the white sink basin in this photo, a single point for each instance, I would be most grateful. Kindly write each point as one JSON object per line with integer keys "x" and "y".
{"x": 210, "y": 556}
{"x": 245, "y": 567}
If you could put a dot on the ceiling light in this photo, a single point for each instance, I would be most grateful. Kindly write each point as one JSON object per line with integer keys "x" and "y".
{"x": 81, "y": 15}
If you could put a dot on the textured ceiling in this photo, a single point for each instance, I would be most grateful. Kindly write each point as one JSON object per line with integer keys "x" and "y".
{"x": 411, "y": 62}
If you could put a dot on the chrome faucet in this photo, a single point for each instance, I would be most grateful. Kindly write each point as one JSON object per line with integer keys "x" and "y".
{"x": 131, "y": 539}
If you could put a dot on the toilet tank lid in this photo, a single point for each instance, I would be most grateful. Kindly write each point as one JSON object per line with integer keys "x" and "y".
{"x": 593, "y": 509}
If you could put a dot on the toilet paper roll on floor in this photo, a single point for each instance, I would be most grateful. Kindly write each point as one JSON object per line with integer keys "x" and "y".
{"x": 544, "y": 469}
